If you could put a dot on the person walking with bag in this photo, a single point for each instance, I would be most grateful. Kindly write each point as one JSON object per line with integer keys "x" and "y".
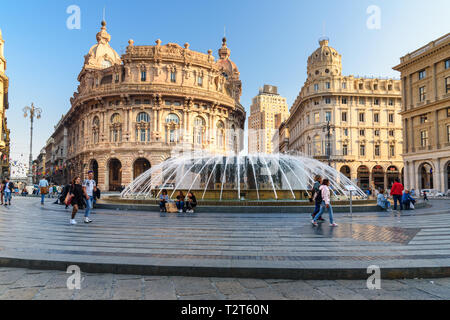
{"x": 7, "y": 189}
{"x": 326, "y": 204}
{"x": 316, "y": 196}
{"x": 75, "y": 197}
{"x": 397, "y": 193}
{"x": 43, "y": 187}
{"x": 89, "y": 188}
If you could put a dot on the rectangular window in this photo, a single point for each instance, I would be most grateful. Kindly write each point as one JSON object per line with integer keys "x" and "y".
{"x": 377, "y": 133}
{"x": 362, "y": 150}
{"x": 376, "y": 102}
{"x": 377, "y": 150}
{"x": 391, "y": 117}
{"x": 316, "y": 117}
{"x": 143, "y": 76}
{"x": 117, "y": 78}
{"x": 375, "y": 87}
{"x": 344, "y": 150}
{"x": 316, "y": 87}
{"x": 422, "y": 74}
{"x": 173, "y": 78}
{"x": 391, "y": 133}
{"x": 362, "y": 132}
{"x": 362, "y": 117}
{"x": 327, "y": 85}
{"x": 392, "y": 151}
{"x": 362, "y": 101}
{"x": 422, "y": 94}
{"x": 423, "y": 119}
{"x": 448, "y": 133}
{"x": 447, "y": 64}
{"x": 344, "y": 85}
{"x": 344, "y": 100}
{"x": 200, "y": 81}
{"x": 344, "y": 116}
{"x": 424, "y": 138}
{"x": 390, "y": 87}
{"x": 391, "y": 102}
{"x": 328, "y": 116}
{"x": 137, "y": 101}
{"x": 327, "y": 100}
{"x": 316, "y": 103}
{"x": 447, "y": 85}
{"x": 361, "y": 86}
{"x": 376, "y": 117}
{"x": 346, "y": 132}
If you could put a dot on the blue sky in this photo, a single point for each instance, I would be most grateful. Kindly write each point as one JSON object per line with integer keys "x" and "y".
{"x": 270, "y": 42}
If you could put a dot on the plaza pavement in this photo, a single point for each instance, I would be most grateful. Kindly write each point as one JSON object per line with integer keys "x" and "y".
{"x": 25, "y": 284}
{"x": 264, "y": 246}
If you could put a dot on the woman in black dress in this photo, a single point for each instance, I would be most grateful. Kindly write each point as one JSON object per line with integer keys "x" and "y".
{"x": 78, "y": 196}
{"x": 191, "y": 202}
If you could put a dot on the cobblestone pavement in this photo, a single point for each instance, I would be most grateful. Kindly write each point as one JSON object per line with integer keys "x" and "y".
{"x": 26, "y": 284}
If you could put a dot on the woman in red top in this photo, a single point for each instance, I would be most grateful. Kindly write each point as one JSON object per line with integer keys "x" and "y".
{"x": 396, "y": 193}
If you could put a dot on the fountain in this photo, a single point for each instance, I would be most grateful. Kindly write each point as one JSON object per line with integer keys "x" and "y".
{"x": 251, "y": 177}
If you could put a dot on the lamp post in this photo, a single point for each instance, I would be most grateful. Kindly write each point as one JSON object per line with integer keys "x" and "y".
{"x": 33, "y": 112}
{"x": 328, "y": 128}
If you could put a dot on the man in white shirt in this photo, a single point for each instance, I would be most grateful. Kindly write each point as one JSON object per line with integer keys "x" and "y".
{"x": 43, "y": 184}
{"x": 89, "y": 187}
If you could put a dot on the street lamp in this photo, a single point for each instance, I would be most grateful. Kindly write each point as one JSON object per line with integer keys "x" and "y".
{"x": 33, "y": 112}
{"x": 328, "y": 128}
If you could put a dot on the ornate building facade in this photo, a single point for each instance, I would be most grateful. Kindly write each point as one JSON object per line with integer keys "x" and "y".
{"x": 4, "y": 105}
{"x": 352, "y": 123}
{"x": 425, "y": 75}
{"x": 267, "y": 110}
{"x": 155, "y": 102}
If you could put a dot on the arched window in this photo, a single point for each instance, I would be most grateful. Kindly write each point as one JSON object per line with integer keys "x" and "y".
{"x": 143, "y": 127}
{"x": 172, "y": 124}
{"x": 234, "y": 139}
{"x": 116, "y": 128}
{"x": 199, "y": 130}
{"x": 172, "y": 118}
{"x": 143, "y": 117}
{"x": 220, "y": 135}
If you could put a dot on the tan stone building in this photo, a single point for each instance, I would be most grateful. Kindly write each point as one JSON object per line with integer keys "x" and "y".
{"x": 267, "y": 111}
{"x": 350, "y": 122}
{"x": 4, "y": 105}
{"x": 425, "y": 75}
{"x": 133, "y": 112}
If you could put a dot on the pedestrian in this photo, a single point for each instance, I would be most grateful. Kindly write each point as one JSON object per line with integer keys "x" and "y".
{"x": 191, "y": 202}
{"x": 316, "y": 196}
{"x": 89, "y": 188}
{"x": 43, "y": 189}
{"x": 163, "y": 199}
{"x": 75, "y": 197}
{"x": 8, "y": 188}
{"x": 326, "y": 204}
{"x": 425, "y": 197}
{"x": 2, "y": 190}
{"x": 396, "y": 193}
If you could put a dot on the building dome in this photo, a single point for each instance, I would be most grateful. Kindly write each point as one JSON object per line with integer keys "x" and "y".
{"x": 324, "y": 61}
{"x": 102, "y": 55}
{"x": 224, "y": 63}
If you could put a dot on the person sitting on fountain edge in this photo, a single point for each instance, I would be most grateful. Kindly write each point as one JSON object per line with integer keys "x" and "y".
{"x": 382, "y": 201}
{"x": 408, "y": 201}
{"x": 191, "y": 202}
{"x": 180, "y": 201}
{"x": 164, "y": 198}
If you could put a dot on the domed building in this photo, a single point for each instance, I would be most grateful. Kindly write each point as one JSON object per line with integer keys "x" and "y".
{"x": 134, "y": 111}
{"x": 352, "y": 123}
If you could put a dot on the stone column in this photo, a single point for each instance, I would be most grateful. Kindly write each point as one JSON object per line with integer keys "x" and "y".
{"x": 437, "y": 176}
{"x": 405, "y": 135}
{"x": 436, "y": 125}
{"x": 413, "y": 149}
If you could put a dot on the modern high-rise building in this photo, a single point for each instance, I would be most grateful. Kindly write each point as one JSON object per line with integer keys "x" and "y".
{"x": 425, "y": 75}
{"x": 268, "y": 108}
{"x": 351, "y": 123}
{"x": 4, "y": 132}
